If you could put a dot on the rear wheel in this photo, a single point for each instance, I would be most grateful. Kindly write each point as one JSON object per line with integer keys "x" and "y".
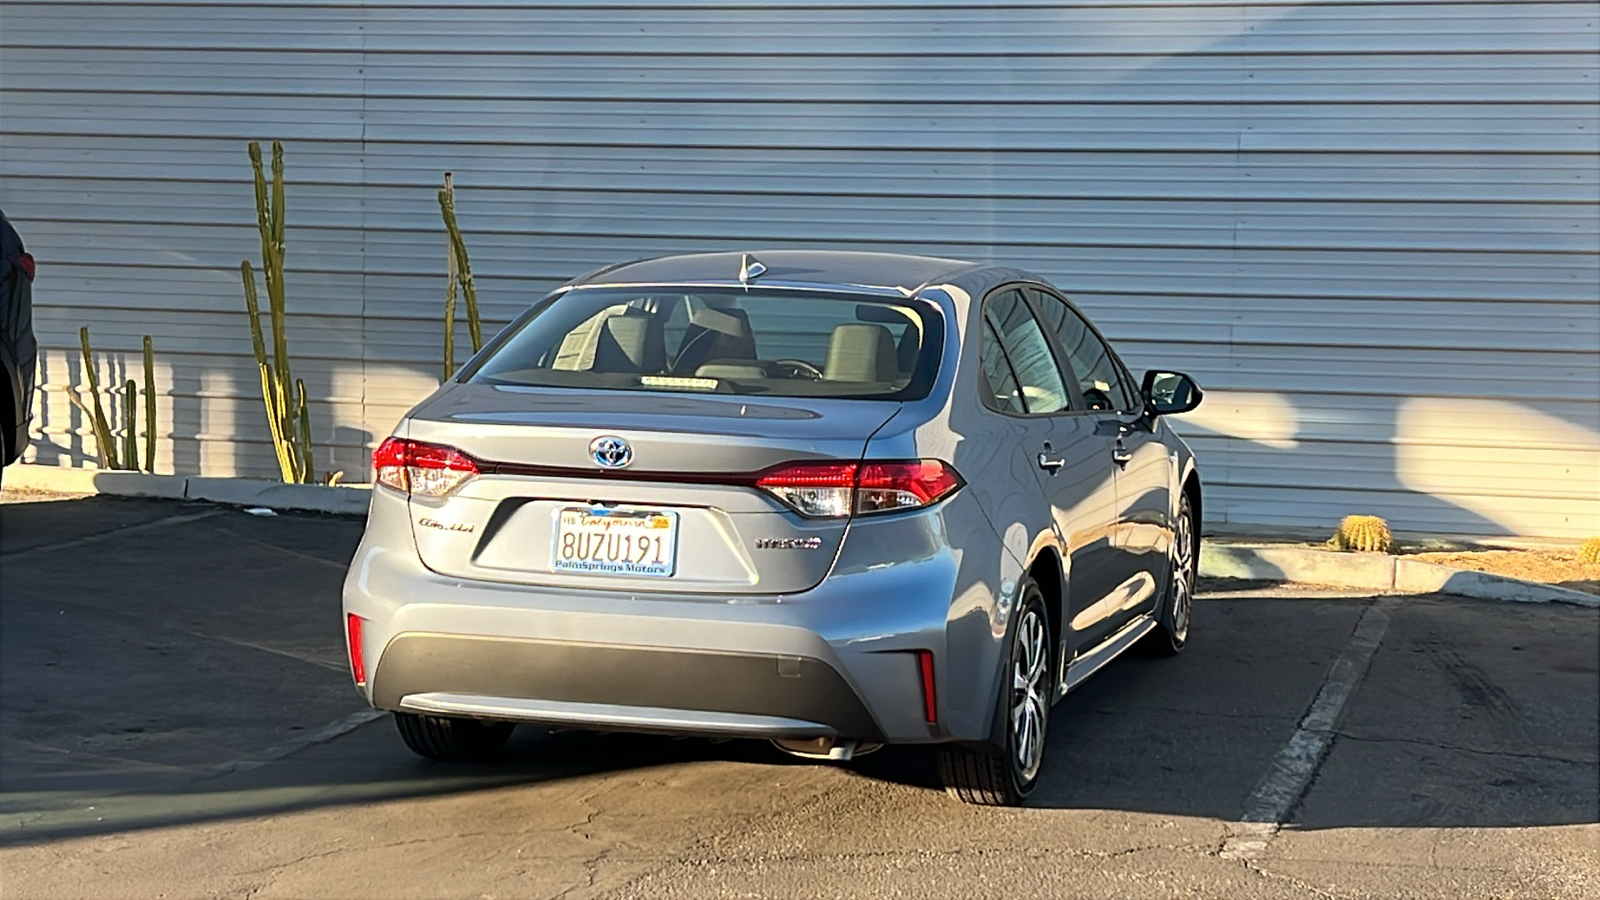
{"x": 1172, "y": 626}
{"x": 983, "y": 776}
{"x": 452, "y": 740}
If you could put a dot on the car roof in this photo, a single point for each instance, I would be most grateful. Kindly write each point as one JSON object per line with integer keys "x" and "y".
{"x": 883, "y": 271}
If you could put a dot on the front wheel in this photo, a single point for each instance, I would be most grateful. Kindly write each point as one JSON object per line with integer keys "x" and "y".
{"x": 987, "y": 778}
{"x": 1172, "y": 625}
{"x": 452, "y": 740}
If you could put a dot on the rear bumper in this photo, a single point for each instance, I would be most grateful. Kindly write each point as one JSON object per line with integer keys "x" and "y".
{"x": 638, "y": 688}
{"x": 839, "y": 660}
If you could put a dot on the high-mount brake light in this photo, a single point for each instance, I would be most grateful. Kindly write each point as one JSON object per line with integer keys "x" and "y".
{"x": 837, "y": 489}
{"x": 428, "y": 470}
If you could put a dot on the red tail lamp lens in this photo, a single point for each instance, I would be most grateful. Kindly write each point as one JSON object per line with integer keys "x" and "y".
{"x": 823, "y": 490}
{"x": 431, "y": 470}
{"x": 930, "y": 701}
{"x": 358, "y": 662}
{"x": 833, "y": 489}
{"x": 885, "y": 486}
{"x": 26, "y": 264}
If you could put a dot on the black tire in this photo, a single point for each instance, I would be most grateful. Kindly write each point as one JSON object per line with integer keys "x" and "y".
{"x": 1177, "y": 602}
{"x": 453, "y": 740}
{"x": 983, "y": 776}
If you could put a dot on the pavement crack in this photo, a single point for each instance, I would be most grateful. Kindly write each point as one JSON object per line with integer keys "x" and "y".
{"x": 1205, "y": 713}
{"x": 1299, "y": 884}
{"x": 1457, "y": 748}
{"x": 274, "y": 868}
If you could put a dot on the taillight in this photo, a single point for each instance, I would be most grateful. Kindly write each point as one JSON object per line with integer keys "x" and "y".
{"x": 835, "y": 489}
{"x": 812, "y": 489}
{"x": 358, "y": 662}
{"x": 26, "y": 264}
{"x": 886, "y": 486}
{"x": 430, "y": 470}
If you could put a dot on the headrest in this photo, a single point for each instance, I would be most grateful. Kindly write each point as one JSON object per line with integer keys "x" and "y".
{"x": 630, "y": 344}
{"x": 861, "y": 351}
{"x": 715, "y": 334}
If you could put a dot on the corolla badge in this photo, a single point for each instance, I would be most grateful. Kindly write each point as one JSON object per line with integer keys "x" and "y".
{"x": 610, "y": 451}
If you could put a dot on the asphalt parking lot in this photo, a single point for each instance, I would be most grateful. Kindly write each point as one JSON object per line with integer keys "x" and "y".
{"x": 176, "y": 720}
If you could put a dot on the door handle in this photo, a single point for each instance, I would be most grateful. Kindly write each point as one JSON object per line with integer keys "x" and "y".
{"x": 1121, "y": 455}
{"x": 1050, "y": 463}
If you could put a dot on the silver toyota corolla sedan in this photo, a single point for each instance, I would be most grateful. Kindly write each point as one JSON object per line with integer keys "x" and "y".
{"x": 834, "y": 500}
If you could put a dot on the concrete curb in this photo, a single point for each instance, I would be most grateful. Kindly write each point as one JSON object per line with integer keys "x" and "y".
{"x": 1371, "y": 571}
{"x": 1375, "y": 571}
{"x": 349, "y": 500}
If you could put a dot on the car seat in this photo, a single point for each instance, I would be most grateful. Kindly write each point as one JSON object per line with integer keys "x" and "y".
{"x": 633, "y": 343}
{"x": 863, "y": 352}
{"x": 715, "y": 334}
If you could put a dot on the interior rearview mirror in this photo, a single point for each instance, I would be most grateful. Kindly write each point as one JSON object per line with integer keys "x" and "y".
{"x": 1169, "y": 393}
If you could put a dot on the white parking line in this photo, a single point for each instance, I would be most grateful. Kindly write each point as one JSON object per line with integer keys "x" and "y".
{"x": 326, "y": 733}
{"x": 115, "y": 532}
{"x": 1296, "y": 763}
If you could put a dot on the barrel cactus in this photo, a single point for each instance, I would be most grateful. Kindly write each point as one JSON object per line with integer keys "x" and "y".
{"x": 1366, "y": 533}
{"x": 1590, "y": 551}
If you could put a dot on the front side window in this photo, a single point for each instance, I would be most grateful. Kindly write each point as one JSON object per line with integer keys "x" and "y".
{"x": 721, "y": 340}
{"x": 1100, "y": 378}
{"x": 1012, "y": 335}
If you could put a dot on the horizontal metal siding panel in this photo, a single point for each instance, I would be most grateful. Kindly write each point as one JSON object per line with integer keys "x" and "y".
{"x": 1245, "y": 224}
{"x": 822, "y": 29}
{"x": 1551, "y": 180}
{"x": 1360, "y": 224}
{"x": 631, "y": 78}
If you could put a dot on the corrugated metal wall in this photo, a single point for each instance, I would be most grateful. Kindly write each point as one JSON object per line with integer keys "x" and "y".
{"x": 1370, "y": 228}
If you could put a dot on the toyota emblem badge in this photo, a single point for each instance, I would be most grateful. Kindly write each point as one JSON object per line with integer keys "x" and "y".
{"x": 610, "y": 451}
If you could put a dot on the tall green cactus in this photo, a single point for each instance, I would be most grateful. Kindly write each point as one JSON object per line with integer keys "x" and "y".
{"x": 452, "y": 271}
{"x": 127, "y": 456}
{"x": 288, "y": 420}
{"x": 103, "y": 445}
{"x": 460, "y": 273}
{"x": 130, "y": 430}
{"x": 149, "y": 406}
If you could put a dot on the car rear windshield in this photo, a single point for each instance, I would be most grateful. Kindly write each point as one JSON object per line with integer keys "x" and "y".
{"x": 784, "y": 343}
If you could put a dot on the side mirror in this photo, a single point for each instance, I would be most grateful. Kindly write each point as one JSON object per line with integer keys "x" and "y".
{"x": 1170, "y": 393}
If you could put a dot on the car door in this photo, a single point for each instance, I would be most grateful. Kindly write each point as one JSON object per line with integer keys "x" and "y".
{"x": 1139, "y": 463}
{"x": 1070, "y": 459}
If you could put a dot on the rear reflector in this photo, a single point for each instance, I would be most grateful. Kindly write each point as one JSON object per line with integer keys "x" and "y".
{"x": 833, "y": 489}
{"x": 930, "y": 701}
{"x": 431, "y": 470}
{"x": 358, "y": 663}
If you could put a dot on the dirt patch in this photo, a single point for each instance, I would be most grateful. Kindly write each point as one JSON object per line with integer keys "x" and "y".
{"x": 1558, "y": 567}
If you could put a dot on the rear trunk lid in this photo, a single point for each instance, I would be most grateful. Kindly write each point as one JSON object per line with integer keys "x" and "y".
{"x": 677, "y": 517}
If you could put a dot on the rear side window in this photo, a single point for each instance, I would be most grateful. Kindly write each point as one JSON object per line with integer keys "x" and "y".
{"x": 1012, "y": 336}
{"x": 716, "y": 340}
{"x": 1001, "y": 384}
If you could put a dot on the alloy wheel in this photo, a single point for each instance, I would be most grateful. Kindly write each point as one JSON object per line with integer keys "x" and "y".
{"x": 1030, "y": 701}
{"x": 1182, "y": 575}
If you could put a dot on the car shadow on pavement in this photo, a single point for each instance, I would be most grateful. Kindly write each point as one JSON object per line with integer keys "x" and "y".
{"x": 1471, "y": 714}
{"x": 152, "y": 652}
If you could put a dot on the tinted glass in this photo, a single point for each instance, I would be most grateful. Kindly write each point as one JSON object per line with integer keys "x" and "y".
{"x": 1038, "y": 379}
{"x": 999, "y": 381}
{"x": 1101, "y": 379}
{"x": 730, "y": 341}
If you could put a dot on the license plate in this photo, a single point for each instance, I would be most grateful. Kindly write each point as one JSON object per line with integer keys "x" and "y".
{"x": 615, "y": 542}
